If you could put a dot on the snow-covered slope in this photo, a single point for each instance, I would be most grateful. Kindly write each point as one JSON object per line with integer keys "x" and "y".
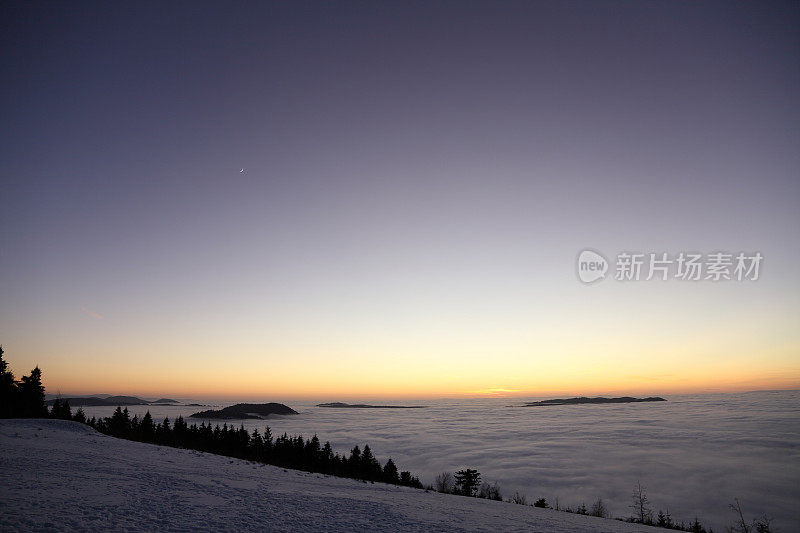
{"x": 58, "y": 475}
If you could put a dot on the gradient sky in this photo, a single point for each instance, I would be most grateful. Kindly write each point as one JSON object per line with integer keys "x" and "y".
{"x": 419, "y": 179}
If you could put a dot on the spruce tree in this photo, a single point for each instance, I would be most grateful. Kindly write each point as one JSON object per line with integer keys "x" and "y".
{"x": 55, "y": 409}
{"x": 80, "y": 416}
{"x": 390, "y": 474}
{"x": 370, "y": 467}
{"x": 147, "y": 428}
{"x": 32, "y": 395}
{"x": 467, "y": 482}
{"x": 8, "y": 390}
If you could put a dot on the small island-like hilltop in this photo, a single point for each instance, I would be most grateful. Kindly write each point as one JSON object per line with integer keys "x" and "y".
{"x": 584, "y": 399}
{"x": 340, "y": 405}
{"x": 246, "y": 411}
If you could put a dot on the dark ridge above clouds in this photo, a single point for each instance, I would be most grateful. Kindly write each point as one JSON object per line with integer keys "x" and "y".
{"x": 100, "y": 400}
{"x": 584, "y": 399}
{"x": 340, "y": 405}
{"x": 243, "y": 411}
{"x": 93, "y": 401}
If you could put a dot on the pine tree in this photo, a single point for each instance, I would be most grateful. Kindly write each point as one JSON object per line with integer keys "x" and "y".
{"x": 119, "y": 423}
{"x": 55, "y": 409}
{"x": 312, "y": 454}
{"x": 180, "y": 430}
{"x": 8, "y": 390}
{"x": 354, "y": 462}
{"x": 164, "y": 433}
{"x": 467, "y": 482}
{"x": 327, "y": 458}
{"x": 66, "y": 411}
{"x": 370, "y": 467}
{"x": 390, "y": 474}
{"x": 80, "y": 416}
{"x": 256, "y": 445}
{"x": 147, "y": 428}
{"x": 32, "y": 395}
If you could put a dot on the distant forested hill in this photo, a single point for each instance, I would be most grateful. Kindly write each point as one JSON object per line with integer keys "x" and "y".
{"x": 246, "y": 410}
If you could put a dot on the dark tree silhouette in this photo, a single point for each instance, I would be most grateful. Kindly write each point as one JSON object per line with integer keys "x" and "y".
{"x": 80, "y": 416}
{"x": 467, "y": 482}
{"x": 61, "y": 410}
{"x": 31, "y": 393}
{"x": 370, "y": 467}
{"x": 390, "y": 474}
{"x": 285, "y": 451}
{"x": 147, "y": 429}
{"x": 66, "y": 411}
{"x": 8, "y": 390}
{"x": 55, "y": 409}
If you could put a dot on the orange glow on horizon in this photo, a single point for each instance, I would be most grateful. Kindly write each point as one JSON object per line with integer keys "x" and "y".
{"x": 253, "y": 390}
{"x": 606, "y": 357}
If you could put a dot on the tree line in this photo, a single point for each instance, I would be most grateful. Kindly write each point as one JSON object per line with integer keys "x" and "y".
{"x": 285, "y": 451}
{"x": 26, "y": 399}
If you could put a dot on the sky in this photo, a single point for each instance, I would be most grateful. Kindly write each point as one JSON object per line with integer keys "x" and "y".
{"x": 340, "y": 200}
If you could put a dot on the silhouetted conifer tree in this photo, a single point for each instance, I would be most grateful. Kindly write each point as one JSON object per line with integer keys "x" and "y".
{"x": 80, "y": 416}
{"x": 370, "y": 467}
{"x": 66, "y": 411}
{"x": 147, "y": 429}
{"x": 467, "y": 482}
{"x": 354, "y": 462}
{"x": 31, "y": 395}
{"x": 180, "y": 430}
{"x": 327, "y": 458}
{"x": 390, "y": 474}
{"x": 55, "y": 409}
{"x": 8, "y": 390}
{"x": 163, "y": 432}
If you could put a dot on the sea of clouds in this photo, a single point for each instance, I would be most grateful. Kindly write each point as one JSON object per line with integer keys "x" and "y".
{"x": 693, "y": 454}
